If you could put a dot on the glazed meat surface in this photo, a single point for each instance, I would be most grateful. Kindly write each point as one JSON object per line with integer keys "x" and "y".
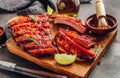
{"x": 66, "y": 45}
{"x": 32, "y": 33}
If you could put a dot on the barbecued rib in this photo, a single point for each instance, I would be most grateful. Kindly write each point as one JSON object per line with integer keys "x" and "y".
{"x": 85, "y": 40}
{"x": 18, "y": 19}
{"x": 66, "y": 44}
{"x": 74, "y": 27}
{"x": 32, "y": 33}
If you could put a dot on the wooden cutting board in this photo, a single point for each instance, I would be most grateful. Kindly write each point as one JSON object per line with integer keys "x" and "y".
{"x": 79, "y": 69}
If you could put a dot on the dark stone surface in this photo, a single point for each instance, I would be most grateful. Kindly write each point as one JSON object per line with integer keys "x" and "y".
{"x": 110, "y": 64}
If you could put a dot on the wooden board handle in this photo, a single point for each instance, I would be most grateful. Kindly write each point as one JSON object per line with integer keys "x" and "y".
{"x": 37, "y": 73}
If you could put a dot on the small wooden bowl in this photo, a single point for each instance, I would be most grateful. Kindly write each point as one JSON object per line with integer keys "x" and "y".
{"x": 2, "y": 35}
{"x": 92, "y": 23}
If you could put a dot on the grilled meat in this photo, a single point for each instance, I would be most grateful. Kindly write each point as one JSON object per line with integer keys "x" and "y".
{"x": 67, "y": 45}
{"x": 32, "y": 33}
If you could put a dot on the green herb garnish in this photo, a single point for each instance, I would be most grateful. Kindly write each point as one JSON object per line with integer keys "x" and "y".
{"x": 50, "y": 10}
{"x": 97, "y": 50}
{"x": 33, "y": 18}
{"x": 32, "y": 39}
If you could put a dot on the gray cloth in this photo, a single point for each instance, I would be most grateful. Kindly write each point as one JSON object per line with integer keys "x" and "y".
{"x": 24, "y": 7}
{"x": 35, "y": 8}
{"x": 13, "y": 5}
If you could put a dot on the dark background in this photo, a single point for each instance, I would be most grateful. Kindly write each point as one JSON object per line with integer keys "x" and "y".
{"x": 110, "y": 64}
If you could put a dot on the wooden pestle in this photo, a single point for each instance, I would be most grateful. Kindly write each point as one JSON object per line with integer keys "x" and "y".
{"x": 100, "y": 12}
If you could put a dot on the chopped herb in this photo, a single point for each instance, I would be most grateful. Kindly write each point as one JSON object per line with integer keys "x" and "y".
{"x": 67, "y": 29}
{"x": 97, "y": 50}
{"x": 32, "y": 39}
{"x": 50, "y": 10}
{"x": 33, "y": 18}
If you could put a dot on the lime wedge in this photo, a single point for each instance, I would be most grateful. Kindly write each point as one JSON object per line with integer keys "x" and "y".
{"x": 50, "y": 10}
{"x": 64, "y": 59}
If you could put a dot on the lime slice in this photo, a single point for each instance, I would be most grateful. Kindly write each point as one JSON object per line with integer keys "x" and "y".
{"x": 64, "y": 59}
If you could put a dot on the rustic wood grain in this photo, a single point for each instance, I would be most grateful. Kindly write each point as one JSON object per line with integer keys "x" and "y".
{"x": 79, "y": 69}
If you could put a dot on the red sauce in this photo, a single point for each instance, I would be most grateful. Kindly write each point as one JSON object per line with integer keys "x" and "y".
{"x": 104, "y": 27}
{"x": 1, "y": 31}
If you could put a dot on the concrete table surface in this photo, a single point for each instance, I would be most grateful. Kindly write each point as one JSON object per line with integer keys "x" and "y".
{"x": 110, "y": 63}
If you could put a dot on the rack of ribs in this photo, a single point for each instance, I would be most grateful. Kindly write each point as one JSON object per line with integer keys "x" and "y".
{"x": 32, "y": 33}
